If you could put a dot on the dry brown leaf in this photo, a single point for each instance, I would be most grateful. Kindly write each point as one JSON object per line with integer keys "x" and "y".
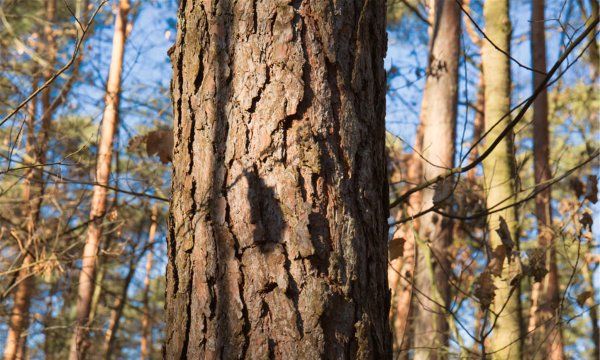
{"x": 536, "y": 266}
{"x": 156, "y": 142}
{"x": 396, "y": 248}
{"x": 586, "y": 221}
{"x": 582, "y": 298}
{"x": 160, "y": 142}
{"x": 485, "y": 290}
{"x": 577, "y": 186}
{"x": 497, "y": 261}
{"x": 504, "y": 233}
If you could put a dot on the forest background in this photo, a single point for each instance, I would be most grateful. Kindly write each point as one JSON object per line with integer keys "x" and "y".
{"x": 130, "y": 282}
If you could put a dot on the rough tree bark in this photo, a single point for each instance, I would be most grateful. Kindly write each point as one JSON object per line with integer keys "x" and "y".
{"x": 98, "y": 205}
{"x": 438, "y": 118}
{"x": 277, "y": 233}
{"x": 34, "y": 187}
{"x": 499, "y": 171}
{"x": 545, "y": 295}
{"x": 146, "y": 338}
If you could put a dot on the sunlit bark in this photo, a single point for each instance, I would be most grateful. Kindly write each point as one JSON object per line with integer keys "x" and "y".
{"x": 98, "y": 207}
{"x": 278, "y": 228}
{"x": 500, "y": 173}
{"x": 438, "y": 119}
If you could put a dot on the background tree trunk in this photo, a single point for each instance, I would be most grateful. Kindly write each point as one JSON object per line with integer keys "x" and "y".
{"x": 36, "y": 148}
{"x": 19, "y": 316}
{"x": 438, "y": 116}
{"x": 499, "y": 172}
{"x": 277, "y": 233}
{"x": 593, "y": 53}
{"x": 544, "y": 295}
{"x": 478, "y": 125}
{"x": 403, "y": 293}
{"x": 588, "y": 276}
{"x": 98, "y": 206}
{"x": 146, "y": 339}
{"x": 116, "y": 313}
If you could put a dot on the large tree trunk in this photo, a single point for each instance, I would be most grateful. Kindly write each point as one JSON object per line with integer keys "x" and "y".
{"x": 438, "y": 119}
{"x": 277, "y": 233}
{"x": 146, "y": 338}
{"x": 98, "y": 205}
{"x": 34, "y": 186}
{"x": 499, "y": 170}
{"x": 544, "y": 295}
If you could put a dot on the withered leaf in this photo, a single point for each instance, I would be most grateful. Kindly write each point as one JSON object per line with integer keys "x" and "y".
{"x": 160, "y": 142}
{"x": 497, "y": 260}
{"x": 485, "y": 290}
{"x": 582, "y": 298}
{"x": 536, "y": 266}
{"x": 586, "y": 221}
{"x": 577, "y": 186}
{"x": 504, "y": 233}
{"x": 156, "y": 142}
{"x": 396, "y": 248}
{"x": 591, "y": 189}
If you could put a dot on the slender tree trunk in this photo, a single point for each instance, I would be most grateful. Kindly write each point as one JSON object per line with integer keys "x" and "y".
{"x": 146, "y": 339}
{"x": 545, "y": 295}
{"x": 100, "y": 273}
{"x": 278, "y": 232}
{"x": 478, "y": 125}
{"x": 592, "y": 52}
{"x": 588, "y": 276}
{"x": 34, "y": 186}
{"x": 99, "y": 279}
{"x": 431, "y": 332}
{"x": 500, "y": 173}
{"x": 401, "y": 313}
{"x": 48, "y": 319}
{"x": 19, "y": 317}
{"x": 117, "y": 312}
{"x": 98, "y": 206}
